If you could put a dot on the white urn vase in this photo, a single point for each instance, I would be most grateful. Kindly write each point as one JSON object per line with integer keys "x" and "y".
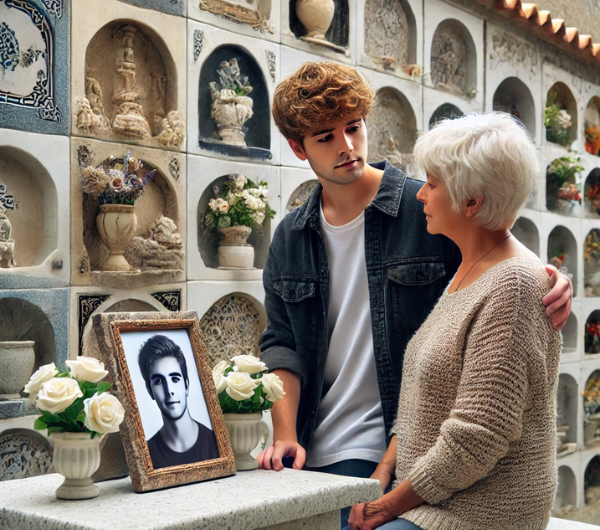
{"x": 17, "y": 359}
{"x": 245, "y": 433}
{"x": 316, "y": 16}
{"x": 76, "y": 457}
{"x": 116, "y": 224}
{"x": 234, "y": 252}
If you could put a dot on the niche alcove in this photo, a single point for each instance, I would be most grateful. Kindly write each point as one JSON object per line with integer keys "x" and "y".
{"x": 514, "y": 97}
{"x": 301, "y": 194}
{"x": 256, "y": 14}
{"x": 562, "y": 252}
{"x": 591, "y": 410}
{"x": 566, "y": 493}
{"x": 592, "y": 333}
{"x": 232, "y": 326}
{"x": 454, "y": 59}
{"x": 29, "y": 199}
{"x": 130, "y": 87}
{"x": 208, "y": 240}
{"x": 591, "y": 194}
{"x": 527, "y": 233}
{"x": 567, "y": 401}
{"x": 24, "y": 453}
{"x": 392, "y": 128}
{"x": 445, "y": 111}
{"x": 563, "y": 186}
{"x": 591, "y": 126}
{"x": 569, "y": 335}
{"x": 303, "y": 26}
{"x": 233, "y": 105}
{"x": 390, "y": 34}
{"x": 591, "y": 263}
{"x": 560, "y": 115}
{"x": 591, "y": 480}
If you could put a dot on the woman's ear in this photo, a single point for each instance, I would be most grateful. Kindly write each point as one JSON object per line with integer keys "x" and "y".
{"x": 473, "y": 206}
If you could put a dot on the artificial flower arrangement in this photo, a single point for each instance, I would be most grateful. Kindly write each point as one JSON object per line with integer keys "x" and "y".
{"x": 557, "y": 121}
{"x": 116, "y": 182}
{"x": 75, "y": 400}
{"x": 244, "y": 386}
{"x": 592, "y": 139}
{"x": 591, "y": 396}
{"x": 238, "y": 202}
{"x": 592, "y": 331}
{"x": 565, "y": 169}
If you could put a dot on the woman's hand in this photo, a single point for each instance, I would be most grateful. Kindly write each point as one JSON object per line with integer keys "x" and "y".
{"x": 370, "y": 515}
{"x": 558, "y": 300}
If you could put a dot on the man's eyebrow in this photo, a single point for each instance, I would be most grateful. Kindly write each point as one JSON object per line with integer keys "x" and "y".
{"x": 356, "y": 120}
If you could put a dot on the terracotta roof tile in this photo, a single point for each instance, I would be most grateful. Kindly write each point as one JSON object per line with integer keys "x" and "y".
{"x": 541, "y": 23}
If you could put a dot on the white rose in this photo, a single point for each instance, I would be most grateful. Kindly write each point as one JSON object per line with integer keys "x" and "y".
{"x": 42, "y": 374}
{"x": 212, "y": 204}
{"x": 255, "y": 192}
{"x": 273, "y": 386}
{"x": 249, "y": 364}
{"x": 223, "y": 206}
{"x": 87, "y": 369}
{"x": 218, "y": 378}
{"x": 103, "y": 413}
{"x": 259, "y": 218}
{"x": 58, "y": 394}
{"x": 264, "y": 192}
{"x": 240, "y": 386}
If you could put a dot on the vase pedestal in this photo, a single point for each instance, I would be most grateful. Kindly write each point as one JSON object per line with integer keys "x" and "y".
{"x": 77, "y": 489}
{"x": 245, "y": 432}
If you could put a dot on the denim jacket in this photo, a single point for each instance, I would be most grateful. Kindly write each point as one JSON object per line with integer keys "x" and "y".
{"x": 407, "y": 270}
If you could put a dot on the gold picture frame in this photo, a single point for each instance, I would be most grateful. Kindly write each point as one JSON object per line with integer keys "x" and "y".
{"x": 119, "y": 335}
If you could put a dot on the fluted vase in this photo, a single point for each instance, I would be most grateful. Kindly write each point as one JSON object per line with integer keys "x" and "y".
{"x": 245, "y": 433}
{"x": 116, "y": 225}
{"x": 77, "y": 458}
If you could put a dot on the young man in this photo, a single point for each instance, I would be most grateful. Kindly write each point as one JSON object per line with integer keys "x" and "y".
{"x": 349, "y": 278}
{"x": 181, "y": 439}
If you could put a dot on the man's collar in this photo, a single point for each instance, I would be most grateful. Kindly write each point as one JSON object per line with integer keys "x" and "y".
{"x": 386, "y": 200}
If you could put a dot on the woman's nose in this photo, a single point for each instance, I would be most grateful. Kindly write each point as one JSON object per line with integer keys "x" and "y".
{"x": 421, "y": 193}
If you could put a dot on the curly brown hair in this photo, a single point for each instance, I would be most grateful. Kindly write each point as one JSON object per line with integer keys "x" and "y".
{"x": 317, "y": 94}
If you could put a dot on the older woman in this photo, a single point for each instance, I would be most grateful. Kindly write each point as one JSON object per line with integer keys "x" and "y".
{"x": 474, "y": 437}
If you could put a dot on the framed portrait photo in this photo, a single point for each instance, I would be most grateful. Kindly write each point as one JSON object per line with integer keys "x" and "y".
{"x": 173, "y": 432}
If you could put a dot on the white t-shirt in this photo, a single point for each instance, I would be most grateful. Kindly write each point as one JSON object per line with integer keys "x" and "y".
{"x": 350, "y": 419}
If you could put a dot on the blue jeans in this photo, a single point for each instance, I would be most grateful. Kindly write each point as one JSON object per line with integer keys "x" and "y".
{"x": 348, "y": 468}
{"x": 398, "y": 524}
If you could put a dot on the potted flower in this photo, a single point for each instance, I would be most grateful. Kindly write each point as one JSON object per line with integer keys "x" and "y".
{"x": 117, "y": 185}
{"x": 557, "y": 122}
{"x": 591, "y": 407}
{"x": 592, "y": 338}
{"x": 18, "y": 321}
{"x": 245, "y": 389}
{"x": 563, "y": 173}
{"x": 592, "y": 139}
{"x": 238, "y": 207}
{"x": 77, "y": 410}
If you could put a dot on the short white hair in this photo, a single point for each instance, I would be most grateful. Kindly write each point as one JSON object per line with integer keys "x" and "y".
{"x": 482, "y": 155}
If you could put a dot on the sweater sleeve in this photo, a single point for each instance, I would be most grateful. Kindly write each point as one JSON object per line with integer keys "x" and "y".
{"x": 491, "y": 396}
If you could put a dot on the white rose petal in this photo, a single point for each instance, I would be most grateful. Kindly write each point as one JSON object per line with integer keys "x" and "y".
{"x": 249, "y": 364}
{"x": 57, "y": 394}
{"x": 87, "y": 369}
{"x": 212, "y": 204}
{"x": 103, "y": 413}
{"x": 240, "y": 386}
{"x": 273, "y": 386}
{"x": 217, "y": 373}
{"x": 43, "y": 374}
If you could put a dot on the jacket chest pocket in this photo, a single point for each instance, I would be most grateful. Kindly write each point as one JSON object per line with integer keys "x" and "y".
{"x": 299, "y": 298}
{"x": 415, "y": 289}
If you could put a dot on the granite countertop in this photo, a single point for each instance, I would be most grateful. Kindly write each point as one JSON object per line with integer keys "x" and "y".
{"x": 248, "y": 500}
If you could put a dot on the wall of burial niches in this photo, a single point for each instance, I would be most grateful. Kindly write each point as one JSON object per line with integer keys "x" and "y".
{"x": 77, "y": 89}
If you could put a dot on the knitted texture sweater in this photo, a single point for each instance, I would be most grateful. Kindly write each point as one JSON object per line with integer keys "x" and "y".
{"x": 477, "y": 411}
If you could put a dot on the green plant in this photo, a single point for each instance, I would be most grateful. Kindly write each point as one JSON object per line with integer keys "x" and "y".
{"x": 566, "y": 169}
{"x": 557, "y": 121}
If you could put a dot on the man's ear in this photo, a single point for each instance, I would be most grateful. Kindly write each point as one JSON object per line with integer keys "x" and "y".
{"x": 473, "y": 206}
{"x": 298, "y": 149}
{"x": 150, "y": 391}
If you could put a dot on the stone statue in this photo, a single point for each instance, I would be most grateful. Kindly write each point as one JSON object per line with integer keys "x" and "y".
{"x": 171, "y": 129}
{"x": 7, "y": 244}
{"x": 448, "y": 59}
{"x": 90, "y": 109}
{"x": 162, "y": 249}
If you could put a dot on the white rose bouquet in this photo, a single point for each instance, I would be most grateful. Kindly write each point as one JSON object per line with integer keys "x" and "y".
{"x": 75, "y": 400}
{"x": 239, "y": 202}
{"x": 243, "y": 385}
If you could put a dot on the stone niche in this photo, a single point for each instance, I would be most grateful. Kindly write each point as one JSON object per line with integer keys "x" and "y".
{"x": 566, "y": 493}
{"x": 591, "y": 334}
{"x": 591, "y": 410}
{"x": 301, "y": 194}
{"x": 391, "y": 35}
{"x": 254, "y": 13}
{"x": 563, "y": 190}
{"x": 562, "y": 252}
{"x": 130, "y": 88}
{"x": 454, "y": 59}
{"x": 324, "y": 23}
{"x": 24, "y": 453}
{"x": 208, "y": 241}
{"x": 527, "y": 233}
{"x": 560, "y": 94}
{"x": 28, "y": 196}
{"x": 232, "y": 326}
{"x": 392, "y": 128}
{"x": 591, "y": 126}
{"x": 591, "y": 263}
{"x": 443, "y": 112}
{"x": 514, "y": 97}
{"x": 233, "y": 105}
{"x": 591, "y": 480}
{"x": 566, "y": 415}
{"x": 591, "y": 194}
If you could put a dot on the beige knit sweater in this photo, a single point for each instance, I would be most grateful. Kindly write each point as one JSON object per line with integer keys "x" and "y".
{"x": 476, "y": 416}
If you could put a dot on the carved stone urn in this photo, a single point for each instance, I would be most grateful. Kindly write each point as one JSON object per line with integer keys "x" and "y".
{"x": 76, "y": 457}
{"x": 116, "y": 224}
{"x": 245, "y": 432}
{"x": 234, "y": 252}
{"x": 17, "y": 359}
{"x": 316, "y": 16}
{"x": 230, "y": 111}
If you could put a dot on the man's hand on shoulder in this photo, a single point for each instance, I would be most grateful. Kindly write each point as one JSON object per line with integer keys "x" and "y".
{"x": 558, "y": 300}
{"x": 271, "y": 457}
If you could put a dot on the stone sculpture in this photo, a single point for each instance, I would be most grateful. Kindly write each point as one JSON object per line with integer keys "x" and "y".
{"x": 231, "y": 106}
{"x": 316, "y": 17}
{"x": 448, "y": 60}
{"x": 242, "y": 11}
{"x": 386, "y": 33}
{"x": 161, "y": 249}
{"x": 7, "y": 244}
